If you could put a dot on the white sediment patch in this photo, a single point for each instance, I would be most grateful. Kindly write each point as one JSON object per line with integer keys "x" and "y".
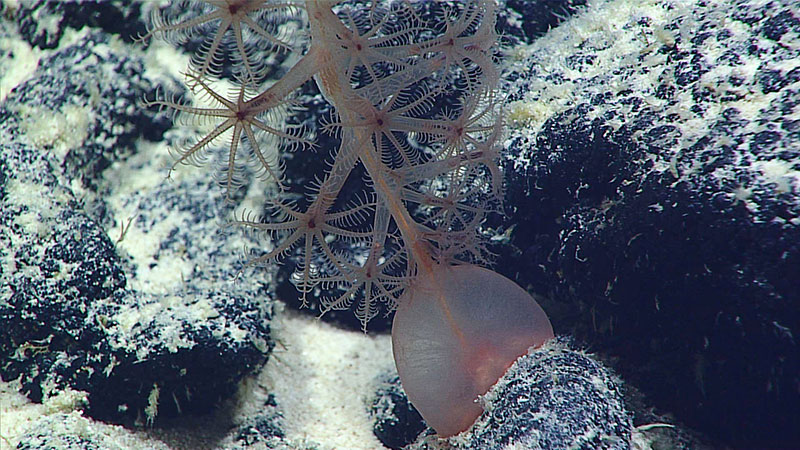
{"x": 323, "y": 379}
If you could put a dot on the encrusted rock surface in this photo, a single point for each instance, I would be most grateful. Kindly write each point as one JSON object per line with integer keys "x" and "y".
{"x": 79, "y": 309}
{"x": 653, "y": 172}
{"x": 553, "y": 397}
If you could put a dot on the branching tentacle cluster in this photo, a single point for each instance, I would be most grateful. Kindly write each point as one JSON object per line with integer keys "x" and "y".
{"x": 414, "y": 95}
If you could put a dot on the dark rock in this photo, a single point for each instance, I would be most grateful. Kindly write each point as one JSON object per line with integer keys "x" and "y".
{"x": 264, "y": 428}
{"x": 396, "y": 422}
{"x": 76, "y": 315}
{"x": 95, "y": 117}
{"x": 553, "y": 397}
{"x": 657, "y": 208}
{"x": 538, "y": 16}
{"x": 42, "y": 22}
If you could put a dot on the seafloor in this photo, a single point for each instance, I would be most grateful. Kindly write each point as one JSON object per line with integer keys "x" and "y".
{"x": 652, "y": 172}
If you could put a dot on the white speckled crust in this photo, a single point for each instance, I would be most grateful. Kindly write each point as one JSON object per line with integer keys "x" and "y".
{"x": 654, "y": 171}
{"x": 115, "y": 282}
{"x": 675, "y": 73}
{"x": 553, "y": 397}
